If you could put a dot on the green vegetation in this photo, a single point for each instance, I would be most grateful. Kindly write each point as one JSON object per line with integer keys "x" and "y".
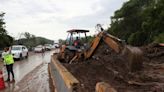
{"x": 31, "y": 40}
{"x": 139, "y": 22}
{"x": 159, "y": 38}
{"x": 5, "y": 39}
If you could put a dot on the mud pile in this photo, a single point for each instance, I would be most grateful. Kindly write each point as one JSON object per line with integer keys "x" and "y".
{"x": 154, "y": 53}
{"x": 108, "y": 66}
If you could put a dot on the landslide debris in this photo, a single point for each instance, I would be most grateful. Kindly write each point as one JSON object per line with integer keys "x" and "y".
{"x": 108, "y": 66}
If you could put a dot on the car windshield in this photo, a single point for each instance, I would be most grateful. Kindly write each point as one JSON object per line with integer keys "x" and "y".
{"x": 16, "y": 48}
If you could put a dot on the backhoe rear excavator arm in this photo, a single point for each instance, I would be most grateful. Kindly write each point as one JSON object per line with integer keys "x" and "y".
{"x": 93, "y": 46}
{"x": 132, "y": 54}
{"x": 110, "y": 40}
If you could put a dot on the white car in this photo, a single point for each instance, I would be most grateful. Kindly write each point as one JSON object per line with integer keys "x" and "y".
{"x": 39, "y": 48}
{"x": 48, "y": 47}
{"x": 19, "y": 51}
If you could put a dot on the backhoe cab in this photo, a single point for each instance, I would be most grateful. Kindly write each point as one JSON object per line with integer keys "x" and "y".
{"x": 76, "y": 39}
{"x": 76, "y": 42}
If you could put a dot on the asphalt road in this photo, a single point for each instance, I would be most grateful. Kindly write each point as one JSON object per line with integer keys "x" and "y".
{"x": 25, "y": 70}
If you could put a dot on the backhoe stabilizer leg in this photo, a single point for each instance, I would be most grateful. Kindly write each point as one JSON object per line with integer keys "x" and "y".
{"x": 73, "y": 59}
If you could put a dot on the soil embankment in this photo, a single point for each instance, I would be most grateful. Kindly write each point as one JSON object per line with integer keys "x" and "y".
{"x": 108, "y": 66}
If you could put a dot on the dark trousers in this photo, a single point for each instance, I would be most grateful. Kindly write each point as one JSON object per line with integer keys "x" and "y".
{"x": 10, "y": 69}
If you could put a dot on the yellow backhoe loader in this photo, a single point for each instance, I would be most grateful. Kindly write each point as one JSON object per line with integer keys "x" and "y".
{"x": 74, "y": 50}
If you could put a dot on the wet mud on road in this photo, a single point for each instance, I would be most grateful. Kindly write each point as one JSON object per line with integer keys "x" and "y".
{"x": 35, "y": 81}
{"x": 31, "y": 74}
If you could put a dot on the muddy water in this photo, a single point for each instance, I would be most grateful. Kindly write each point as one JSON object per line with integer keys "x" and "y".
{"x": 35, "y": 81}
{"x": 31, "y": 74}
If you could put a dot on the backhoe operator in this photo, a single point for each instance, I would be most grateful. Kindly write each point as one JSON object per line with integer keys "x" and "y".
{"x": 77, "y": 43}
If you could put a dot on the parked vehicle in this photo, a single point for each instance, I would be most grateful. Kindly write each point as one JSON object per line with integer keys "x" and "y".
{"x": 39, "y": 48}
{"x": 56, "y": 45}
{"x": 48, "y": 47}
{"x": 19, "y": 51}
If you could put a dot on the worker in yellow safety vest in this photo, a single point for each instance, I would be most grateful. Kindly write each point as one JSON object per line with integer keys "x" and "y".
{"x": 8, "y": 62}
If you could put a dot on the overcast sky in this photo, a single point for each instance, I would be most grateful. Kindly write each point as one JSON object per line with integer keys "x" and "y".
{"x": 52, "y": 18}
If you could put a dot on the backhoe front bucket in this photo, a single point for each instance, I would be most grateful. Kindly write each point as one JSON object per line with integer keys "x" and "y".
{"x": 134, "y": 58}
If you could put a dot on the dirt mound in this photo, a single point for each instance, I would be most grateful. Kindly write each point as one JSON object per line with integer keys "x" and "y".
{"x": 108, "y": 66}
{"x": 154, "y": 53}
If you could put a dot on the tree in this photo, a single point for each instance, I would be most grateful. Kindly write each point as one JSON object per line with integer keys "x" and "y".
{"x": 159, "y": 38}
{"x": 5, "y": 39}
{"x": 139, "y": 18}
{"x": 61, "y": 41}
{"x": 27, "y": 35}
{"x": 2, "y": 23}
